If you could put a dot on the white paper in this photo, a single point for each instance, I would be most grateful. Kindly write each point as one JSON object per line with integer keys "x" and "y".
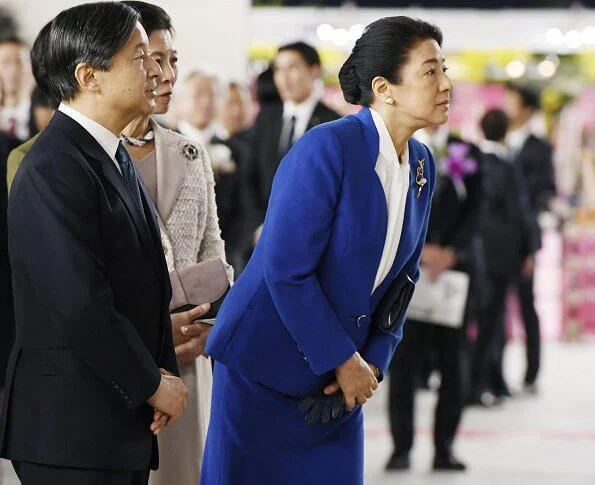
{"x": 441, "y": 302}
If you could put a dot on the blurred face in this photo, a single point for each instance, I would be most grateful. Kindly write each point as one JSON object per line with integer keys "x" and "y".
{"x": 129, "y": 86}
{"x": 11, "y": 67}
{"x": 199, "y": 104}
{"x": 423, "y": 97}
{"x": 164, "y": 54}
{"x": 42, "y": 116}
{"x": 234, "y": 111}
{"x": 293, "y": 77}
{"x": 516, "y": 111}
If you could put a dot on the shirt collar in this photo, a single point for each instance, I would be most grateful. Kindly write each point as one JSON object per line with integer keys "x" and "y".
{"x": 435, "y": 141}
{"x": 517, "y": 138}
{"x": 108, "y": 141}
{"x": 386, "y": 146}
{"x": 202, "y": 136}
{"x": 494, "y": 148}
{"x": 303, "y": 109}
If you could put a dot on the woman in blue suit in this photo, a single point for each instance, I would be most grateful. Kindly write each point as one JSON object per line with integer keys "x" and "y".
{"x": 347, "y": 219}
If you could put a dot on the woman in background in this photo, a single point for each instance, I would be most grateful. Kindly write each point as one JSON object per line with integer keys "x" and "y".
{"x": 178, "y": 175}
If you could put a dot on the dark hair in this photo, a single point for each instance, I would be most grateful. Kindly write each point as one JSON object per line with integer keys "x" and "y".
{"x": 38, "y": 52}
{"x": 92, "y": 33}
{"x": 529, "y": 96}
{"x": 39, "y": 99}
{"x": 266, "y": 91}
{"x": 308, "y": 53}
{"x": 382, "y": 50}
{"x": 11, "y": 39}
{"x": 494, "y": 124}
{"x": 152, "y": 17}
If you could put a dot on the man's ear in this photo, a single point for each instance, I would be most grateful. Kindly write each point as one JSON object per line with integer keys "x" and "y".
{"x": 86, "y": 78}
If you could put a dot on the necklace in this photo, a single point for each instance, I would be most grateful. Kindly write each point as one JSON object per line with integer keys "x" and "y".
{"x": 139, "y": 142}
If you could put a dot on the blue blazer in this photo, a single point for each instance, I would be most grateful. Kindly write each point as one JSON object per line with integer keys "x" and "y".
{"x": 302, "y": 306}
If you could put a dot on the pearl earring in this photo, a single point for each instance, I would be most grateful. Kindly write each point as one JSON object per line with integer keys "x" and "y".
{"x": 390, "y": 101}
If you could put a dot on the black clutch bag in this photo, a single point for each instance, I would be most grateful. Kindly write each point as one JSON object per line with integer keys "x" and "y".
{"x": 393, "y": 305}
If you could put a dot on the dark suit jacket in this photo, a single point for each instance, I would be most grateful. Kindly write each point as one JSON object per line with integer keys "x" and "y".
{"x": 229, "y": 200}
{"x": 6, "y": 309}
{"x": 454, "y": 220}
{"x": 91, "y": 293}
{"x": 265, "y": 158}
{"x": 537, "y": 170}
{"x": 508, "y": 226}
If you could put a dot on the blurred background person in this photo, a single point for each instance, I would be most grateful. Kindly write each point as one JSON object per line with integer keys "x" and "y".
{"x": 235, "y": 110}
{"x": 179, "y": 178}
{"x": 42, "y": 109}
{"x": 198, "y": 109}
{"x": 14, "y": 116}
{"x": 296, "y": 74}
{"x": 450, "y": 245}
{"x": 265, "y": 90}
{"x": 508, "y": 238}
{"x": 532, "y": 157}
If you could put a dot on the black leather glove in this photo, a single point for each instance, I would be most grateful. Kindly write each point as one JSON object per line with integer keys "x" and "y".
{"x": 322, "y": 409}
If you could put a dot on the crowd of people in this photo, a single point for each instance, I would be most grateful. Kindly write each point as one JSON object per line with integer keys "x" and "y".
{"x": 125, "y": 180}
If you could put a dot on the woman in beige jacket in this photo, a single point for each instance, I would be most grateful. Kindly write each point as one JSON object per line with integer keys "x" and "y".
{"x": 179, "y": 178}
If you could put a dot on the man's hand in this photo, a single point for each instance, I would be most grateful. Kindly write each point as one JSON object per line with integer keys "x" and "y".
{"x": 356, "y": 379}
{"x": 195, "y": 347}
{"x": 437, "y": 259}
{"x": 184, "y": 319}
{"x": 528, "y": 266}
{"x": 170, "y": 398}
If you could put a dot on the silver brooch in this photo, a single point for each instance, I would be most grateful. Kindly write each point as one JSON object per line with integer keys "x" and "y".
{"x": 420, "y": 180}
{"x": 190, "y": 151}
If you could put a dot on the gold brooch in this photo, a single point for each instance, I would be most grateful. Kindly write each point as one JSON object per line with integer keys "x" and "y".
{"x": 420, "y": 180}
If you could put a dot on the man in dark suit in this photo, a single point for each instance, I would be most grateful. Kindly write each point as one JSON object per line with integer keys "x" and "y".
{"x": 450, "y": 244}
{"x": 86, "y": 388}
{"x": 297, "y": 71}
{"x": 509, "y": 238}
{"x": 532, "y": 157}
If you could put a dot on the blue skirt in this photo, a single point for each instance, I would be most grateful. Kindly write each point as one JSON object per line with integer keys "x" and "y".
{"x": 258, "y": 437}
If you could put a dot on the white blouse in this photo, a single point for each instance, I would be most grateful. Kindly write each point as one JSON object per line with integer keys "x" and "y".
{"x": 394, "y": 177}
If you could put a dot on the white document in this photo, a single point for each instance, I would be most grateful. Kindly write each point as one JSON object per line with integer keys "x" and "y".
{"x": 441, "y": 302}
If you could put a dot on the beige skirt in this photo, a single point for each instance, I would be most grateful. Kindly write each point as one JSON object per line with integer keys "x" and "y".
{"x": 181, "y": 446}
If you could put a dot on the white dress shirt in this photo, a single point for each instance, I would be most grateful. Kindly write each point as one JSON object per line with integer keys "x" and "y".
{"x": 19, "y": 116}
{"x": 495, "y": 148}
{"x": 394, "y": 177}
{"x": 302, "y": 112}
{"x": 516, "y": 138}
{"x": 108, "y": 141}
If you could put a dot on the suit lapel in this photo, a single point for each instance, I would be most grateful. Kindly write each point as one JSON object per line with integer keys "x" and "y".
{"x": 275, "y": 127}
{"x": 414, "y": 206}
{"x": 142, "y": 226}
{"x": 316, "y": 118}
{"x": 171, "y": 169}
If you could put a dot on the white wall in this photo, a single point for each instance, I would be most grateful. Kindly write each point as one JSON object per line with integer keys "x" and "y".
{"x": 208, "y": 32}
{"x": 463, "y": 29}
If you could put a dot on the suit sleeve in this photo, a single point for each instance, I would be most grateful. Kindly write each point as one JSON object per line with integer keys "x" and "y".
{"x": 55, "y": 241}
{"x": 380, "y": 346}
{"x": 297, "y": 229}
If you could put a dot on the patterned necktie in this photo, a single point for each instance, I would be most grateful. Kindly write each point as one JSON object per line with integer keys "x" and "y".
{"x": 130, "y": 177}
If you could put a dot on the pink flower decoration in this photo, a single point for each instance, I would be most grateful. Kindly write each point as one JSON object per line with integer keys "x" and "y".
{"x": 457, "y": 163}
